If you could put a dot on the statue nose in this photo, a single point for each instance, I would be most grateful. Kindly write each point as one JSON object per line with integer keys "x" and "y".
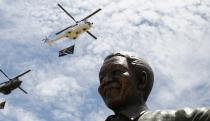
{"x": 108, "y": 78}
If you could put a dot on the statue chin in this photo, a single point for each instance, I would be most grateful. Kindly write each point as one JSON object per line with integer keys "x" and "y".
{"x": 114, "y": 103}
{"x": 116, "y": 100}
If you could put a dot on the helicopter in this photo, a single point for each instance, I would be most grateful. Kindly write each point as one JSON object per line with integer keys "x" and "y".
{"x": 2, "y": 104}
{"x": 72, "y": 32}
{"x": 8, "y": 86}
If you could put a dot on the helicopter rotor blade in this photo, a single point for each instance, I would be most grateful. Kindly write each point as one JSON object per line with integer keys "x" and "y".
{"x": 22, "y": 74}
{"x": 23, "y": 90}
{"x": 91, "y": 15}
{"x": 67, "y": 12}
{"x": 4, "y": 74}
{"x": 3, "y": 82}
{"x": 63, "y": 30}
{"x": 91, "y": 35}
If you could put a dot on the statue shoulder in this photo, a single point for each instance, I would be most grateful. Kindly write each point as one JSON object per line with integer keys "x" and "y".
{"x": 198, "y": 114}
{"x": 158, "y": 115}
{"x": 186, "y": 114}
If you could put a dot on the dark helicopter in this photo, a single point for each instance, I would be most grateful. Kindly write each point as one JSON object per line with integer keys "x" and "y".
{"x": 2, "y": 104}
{"x": 8, "y": 86}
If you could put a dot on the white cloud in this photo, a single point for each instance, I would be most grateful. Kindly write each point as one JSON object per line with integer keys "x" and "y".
{"x": 173, "y": 36}
{"x": 57, "y": 85}
{"x": 18, "y": 114}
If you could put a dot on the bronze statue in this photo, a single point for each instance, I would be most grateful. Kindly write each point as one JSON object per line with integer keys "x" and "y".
{"x": 125, "y": 84}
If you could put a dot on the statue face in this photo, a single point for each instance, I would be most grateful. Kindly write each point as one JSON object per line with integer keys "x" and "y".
{"x": 116, "y": 85}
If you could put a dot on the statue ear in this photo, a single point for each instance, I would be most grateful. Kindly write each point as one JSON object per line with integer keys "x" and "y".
{"x": 143, "y": 82}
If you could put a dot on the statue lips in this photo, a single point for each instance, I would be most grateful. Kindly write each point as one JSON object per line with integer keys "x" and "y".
{"x": 109, "y": 89}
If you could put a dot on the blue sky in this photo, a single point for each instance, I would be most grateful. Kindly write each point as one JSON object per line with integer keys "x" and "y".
{"x": 173, "y": 36}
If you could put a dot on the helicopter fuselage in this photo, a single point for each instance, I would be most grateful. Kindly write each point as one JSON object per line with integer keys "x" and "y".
{"x": 72, "y": 32}
{"x": 80, "y": 28}
{"x": 8, "y": 87}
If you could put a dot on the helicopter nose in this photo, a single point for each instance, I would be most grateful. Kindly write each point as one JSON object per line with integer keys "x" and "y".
{"x": 18, "y": 83}
{"x": 90, "y": 23}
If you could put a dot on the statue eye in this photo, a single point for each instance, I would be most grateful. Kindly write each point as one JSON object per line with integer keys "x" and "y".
{"x": 117, "y": 72}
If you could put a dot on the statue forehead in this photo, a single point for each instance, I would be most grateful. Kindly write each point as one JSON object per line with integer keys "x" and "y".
{"x": 115, "y": 60}
{"x": 112, "y": 62}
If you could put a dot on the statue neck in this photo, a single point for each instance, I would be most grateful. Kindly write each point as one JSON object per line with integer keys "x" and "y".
{"x": 132, "y": 111}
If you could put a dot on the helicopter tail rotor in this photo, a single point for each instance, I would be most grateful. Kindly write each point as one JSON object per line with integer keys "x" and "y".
{"x": 45, "y": 40}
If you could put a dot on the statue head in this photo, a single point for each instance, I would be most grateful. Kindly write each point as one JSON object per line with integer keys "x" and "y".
{"x": 125, "y": 80}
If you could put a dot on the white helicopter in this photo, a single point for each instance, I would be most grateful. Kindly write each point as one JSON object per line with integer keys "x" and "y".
{"x": 74, "y": 31}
